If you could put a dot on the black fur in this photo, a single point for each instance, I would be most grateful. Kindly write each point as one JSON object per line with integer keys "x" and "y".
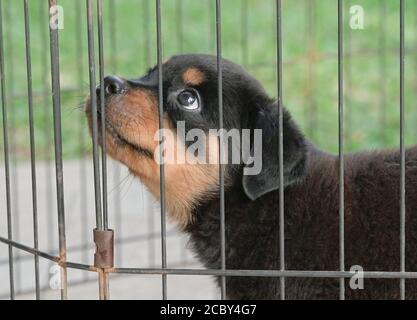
{"x": 372, "y": 219}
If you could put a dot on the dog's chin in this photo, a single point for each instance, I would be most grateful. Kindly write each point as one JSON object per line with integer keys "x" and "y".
{"x": 113, "y": 136}
{"x": 119, "y": 140}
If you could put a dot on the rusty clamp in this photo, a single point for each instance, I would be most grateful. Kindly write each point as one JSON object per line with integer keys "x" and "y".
{"x": 104, "y": 255}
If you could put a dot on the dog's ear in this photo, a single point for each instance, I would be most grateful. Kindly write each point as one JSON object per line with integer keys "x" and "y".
{"x": 295, "y": 154}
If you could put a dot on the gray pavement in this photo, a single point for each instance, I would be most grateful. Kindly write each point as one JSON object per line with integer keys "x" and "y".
{"x": 136, "y": 225}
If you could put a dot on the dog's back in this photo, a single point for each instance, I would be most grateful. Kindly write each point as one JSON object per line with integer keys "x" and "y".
{"x": 372, "y": 223}
{"x": 372, "y": 229}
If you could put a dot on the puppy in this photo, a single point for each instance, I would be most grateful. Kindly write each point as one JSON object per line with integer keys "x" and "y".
{"x": 372, "y": 179}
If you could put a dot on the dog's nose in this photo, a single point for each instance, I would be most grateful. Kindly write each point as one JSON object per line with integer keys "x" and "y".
{"x": 112, "y": 85}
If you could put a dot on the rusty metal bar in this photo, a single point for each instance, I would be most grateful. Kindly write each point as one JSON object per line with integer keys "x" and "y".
{"x": 56, "y": 102}
{"x": 47, "y": 118}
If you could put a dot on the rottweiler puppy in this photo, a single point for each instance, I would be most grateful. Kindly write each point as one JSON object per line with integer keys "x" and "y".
{"x": 190, "y": 108}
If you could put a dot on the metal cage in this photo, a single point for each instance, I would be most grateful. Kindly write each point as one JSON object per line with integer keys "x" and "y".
{"x": 97, "y": 56}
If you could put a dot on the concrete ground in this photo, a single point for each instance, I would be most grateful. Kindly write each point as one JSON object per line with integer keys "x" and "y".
{"x": 134, "y": 216}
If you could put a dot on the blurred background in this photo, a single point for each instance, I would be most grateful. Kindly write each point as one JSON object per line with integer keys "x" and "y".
{"x": 372, "y": 118}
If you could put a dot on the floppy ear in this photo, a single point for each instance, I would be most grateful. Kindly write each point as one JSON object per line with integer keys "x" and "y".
{"x": 295, "y": 154}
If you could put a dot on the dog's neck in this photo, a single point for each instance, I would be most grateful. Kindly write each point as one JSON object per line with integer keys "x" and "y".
{"x": 247, "y": 224}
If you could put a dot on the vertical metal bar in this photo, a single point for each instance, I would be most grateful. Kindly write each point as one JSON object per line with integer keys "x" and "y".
{"x": 280, "y": 149}
{"x": 383, "y": 69}
{"x": 341, "y": 148}
{"x": 402, "y": 149}
{"x": 180, "y": 29}
{"x": 93, "y": 97}
{"x": 146, "y": 30}
{"x": 161, "y": 127}
{"x": 56, "y": 101}
{"x": 147, "y": 60}
{"x": 212, "y": 16}
{"x": 117, "y": 207}
{"x": 104, "y": 277}
{"x": 348, "y": 125}
{"x": 81, "y": 140}
{"x": 14, "y": 171}
{"x": 32, "y": 145}
{"x": 43, "y": 10}
{"x": 245, "y": 32}
{"x": 221, "y": 145}
{"x": 415, "y": 63}
{"x": 273, "y": 10}
{"x": 6, "y": 158}
{"x": 311, "y": 111}
{"x": 180, "y": 49}
{"x": 103, "y": 113}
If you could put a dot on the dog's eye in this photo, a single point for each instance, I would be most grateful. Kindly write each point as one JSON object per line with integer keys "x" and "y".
{"x": 188, "y": 100}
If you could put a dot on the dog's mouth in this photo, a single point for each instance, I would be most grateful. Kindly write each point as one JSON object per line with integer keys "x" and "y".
{"x": 121, "y": 141}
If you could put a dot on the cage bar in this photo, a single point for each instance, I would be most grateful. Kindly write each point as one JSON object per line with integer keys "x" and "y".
{"x": 310, "y": 34}
{"x": 103, "y": 113}
{"x": 402, "y": 152}
{"x": 341, "y": 147}
{"x": 117, "y": 203}
{"x": 81, "y": 138}
{"x": 383, "y": 69}
{"x": 179, "y": 4}
{"x": 93, "y": 97}
{"x": 269, "y": 273}
{"x": 280, "y": 150}
{"x": 6, "y": 158}
{"x": 14, "y": 172}
{"x": 244, "y": 16}
{"x": 161, "y": 155}
{"x": 56, "y": 103}
{"x": 49, "y": 170}
{"x": 32, "y": 145}
{"x": 101, "y": 189}
{"x": 221, "y": 147}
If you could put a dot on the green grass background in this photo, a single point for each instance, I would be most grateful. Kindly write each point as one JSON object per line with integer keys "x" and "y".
{"x": 309, "y": 86}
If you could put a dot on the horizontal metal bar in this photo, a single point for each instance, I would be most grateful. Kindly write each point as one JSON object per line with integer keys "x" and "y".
{"x": 72, "y": 283}
{"x": 29, "y": 249}
{"x": 267, "y": 273}
{"x": 227, "y": 272}
{"x": 118, "y": 241}
{"x": 42, "y": 254}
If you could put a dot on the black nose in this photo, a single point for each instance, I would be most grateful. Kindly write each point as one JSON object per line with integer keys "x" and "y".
{"x": 112, "y": 85}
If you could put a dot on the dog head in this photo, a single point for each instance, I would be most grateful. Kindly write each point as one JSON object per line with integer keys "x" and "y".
{"x": 190, "y": 115}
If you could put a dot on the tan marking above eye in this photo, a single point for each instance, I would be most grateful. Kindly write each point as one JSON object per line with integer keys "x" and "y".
{"x": 193, "y": 76}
